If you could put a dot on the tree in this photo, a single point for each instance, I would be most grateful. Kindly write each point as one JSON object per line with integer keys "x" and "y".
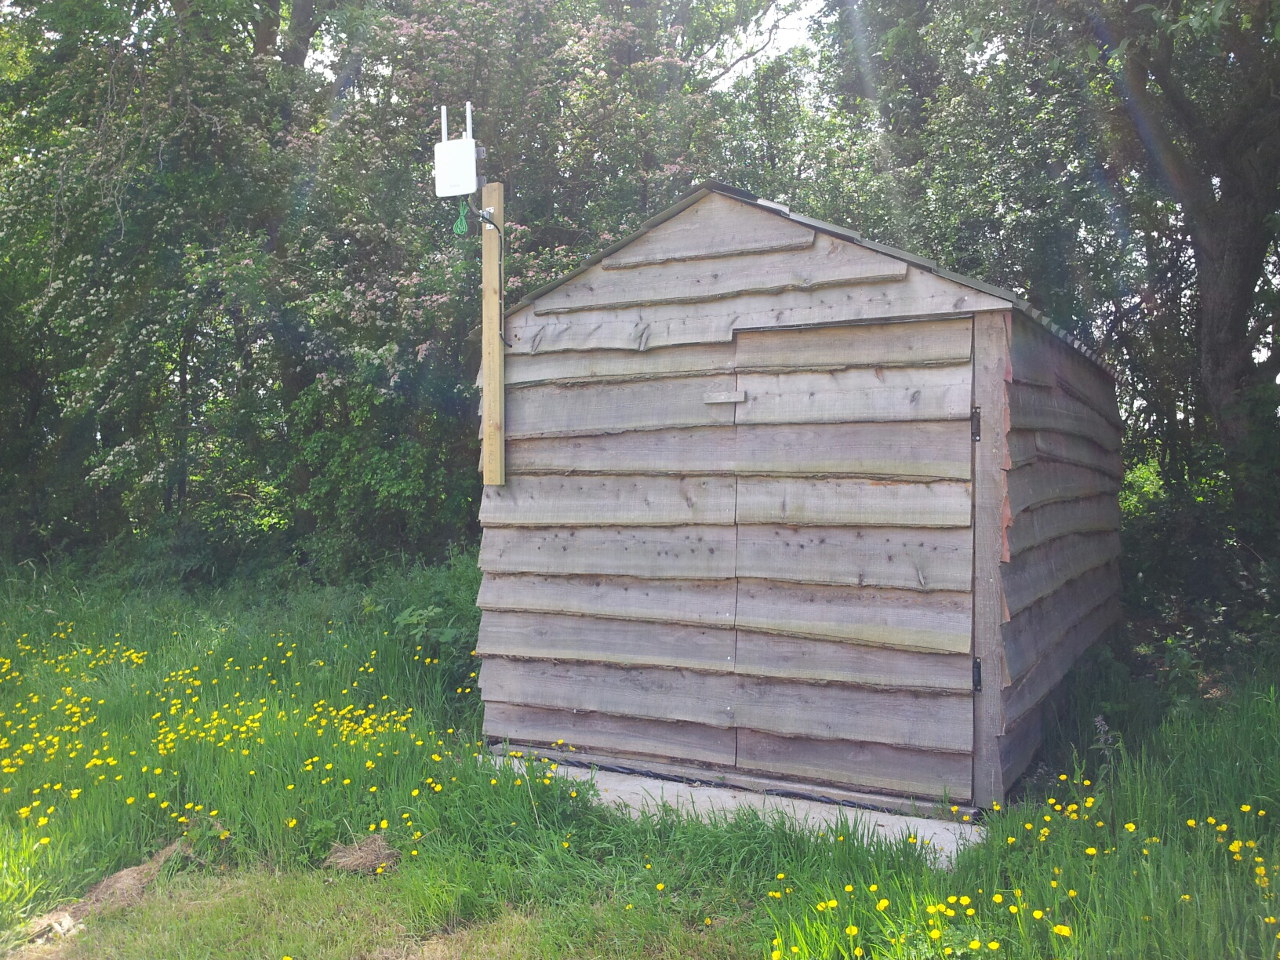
{"x": 1195, "y": 85}
{"x": 238, "y": 316}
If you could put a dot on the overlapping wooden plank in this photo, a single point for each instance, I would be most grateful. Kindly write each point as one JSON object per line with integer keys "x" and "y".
{"x": 550, "y": 410}
{"x": 679, "y": 553}
{"x": 1039, "y": 571}
{"x": 905, "y": 343}
{"x": 575, "y": 366}
{"x": 805, "y": 500}
{"x": 934, "y": 449}
{"x": 828, "y": 711}
{"x": 829, "y": 261}
{"x": 762, "y": 654}
{"x": 1041, "y": 358}
{"x": 700, "y": 603}
{"x": 615, "y": 500}
{"x": 1046, "y": 673}
{"x": 1045, "y": 481}
{"x": 1033, "y": 407}
{"x": 921, "y": 294}
{"x": 866, "y": 765}
{"x": 1033, "y": 630}
{"x": 716, "y": 226}
{"x": 612, "y": 736}
{"x": 835, "y": 711}
{"x": 682, "y": 453}
{"x": 1019, "y": 743}
{"x": 913, "y": 559}
{"x": 929, "y": 450}
{"x": 649, "y": 693}
{"x": 904, "y": 619}
{"x": 1027, "y": 446}
{"x": 1057, "y": 519}
{"x": 833, "y": 396}
{"x": 558, "y": 637}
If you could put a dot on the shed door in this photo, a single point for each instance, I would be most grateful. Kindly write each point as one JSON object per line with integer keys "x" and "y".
{"x": 752, "y": 555}
{"x": 854, "y": 556}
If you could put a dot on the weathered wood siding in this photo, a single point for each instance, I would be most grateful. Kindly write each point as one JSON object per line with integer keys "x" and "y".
{"x": 746, "y": 528}
{"x": 731, "y": 538}
{"x": 1060, "y": 544}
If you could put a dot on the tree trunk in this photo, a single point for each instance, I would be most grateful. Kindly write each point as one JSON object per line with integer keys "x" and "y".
{"x": 1230, "y": 251}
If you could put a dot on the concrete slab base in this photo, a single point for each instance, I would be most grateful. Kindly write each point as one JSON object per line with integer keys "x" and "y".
{"x": 637, "y": 793}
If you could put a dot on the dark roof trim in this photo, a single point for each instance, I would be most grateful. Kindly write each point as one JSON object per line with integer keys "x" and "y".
{"x": 843, "y": 233}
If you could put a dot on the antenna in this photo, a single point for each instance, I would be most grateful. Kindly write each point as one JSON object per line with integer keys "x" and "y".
{"x": 455, "y": 160}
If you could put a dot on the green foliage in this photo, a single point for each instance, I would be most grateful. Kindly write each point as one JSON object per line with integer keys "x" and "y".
{"x": 235, "y": 322}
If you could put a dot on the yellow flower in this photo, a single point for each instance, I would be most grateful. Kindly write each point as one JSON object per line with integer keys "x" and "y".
{"x": 1090, "y": 851}
{"x": 882, "y": 903}
{"x": 1062, "y": 930}
{"x": 851, "y": 930}
{"x": 1130, "y": 827}
{"x": 975, "y": 944}
{"x": 661, "y": 886}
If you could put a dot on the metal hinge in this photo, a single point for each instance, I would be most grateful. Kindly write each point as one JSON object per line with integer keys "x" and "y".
{"x": 975, "y": 423}
{"x": 977, "y": 674}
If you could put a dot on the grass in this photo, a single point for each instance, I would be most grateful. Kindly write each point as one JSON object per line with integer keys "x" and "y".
{"x": 267, "y": 727}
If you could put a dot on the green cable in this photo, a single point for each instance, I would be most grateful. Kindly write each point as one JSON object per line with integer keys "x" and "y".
{"x": 460, "y": 225}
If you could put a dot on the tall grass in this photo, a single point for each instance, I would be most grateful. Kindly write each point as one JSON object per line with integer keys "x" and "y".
{"x": 266, "y": 726}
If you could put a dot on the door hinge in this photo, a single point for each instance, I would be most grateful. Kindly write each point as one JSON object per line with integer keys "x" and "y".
{"x": 975, "y": 423}
{"x": 977, "y": 674}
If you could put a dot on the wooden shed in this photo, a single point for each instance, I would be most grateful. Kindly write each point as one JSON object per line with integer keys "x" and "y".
{"x": 786, "y": 508}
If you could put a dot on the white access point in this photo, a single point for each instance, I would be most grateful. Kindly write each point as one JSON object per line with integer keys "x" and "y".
{"x": 455, "y": 160}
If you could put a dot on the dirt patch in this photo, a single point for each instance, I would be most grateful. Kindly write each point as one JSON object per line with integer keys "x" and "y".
{"x": 123, "y": 888}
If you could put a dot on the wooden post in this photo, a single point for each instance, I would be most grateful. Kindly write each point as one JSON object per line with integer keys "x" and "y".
{"x": 492, "y": 402}
{"x": 992, "y": 373}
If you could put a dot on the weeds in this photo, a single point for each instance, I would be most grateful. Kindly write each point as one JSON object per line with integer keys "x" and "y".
{"x": 265, "y": 728}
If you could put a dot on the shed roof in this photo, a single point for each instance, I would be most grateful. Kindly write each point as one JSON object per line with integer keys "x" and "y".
{"x": 708, "y": 187}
